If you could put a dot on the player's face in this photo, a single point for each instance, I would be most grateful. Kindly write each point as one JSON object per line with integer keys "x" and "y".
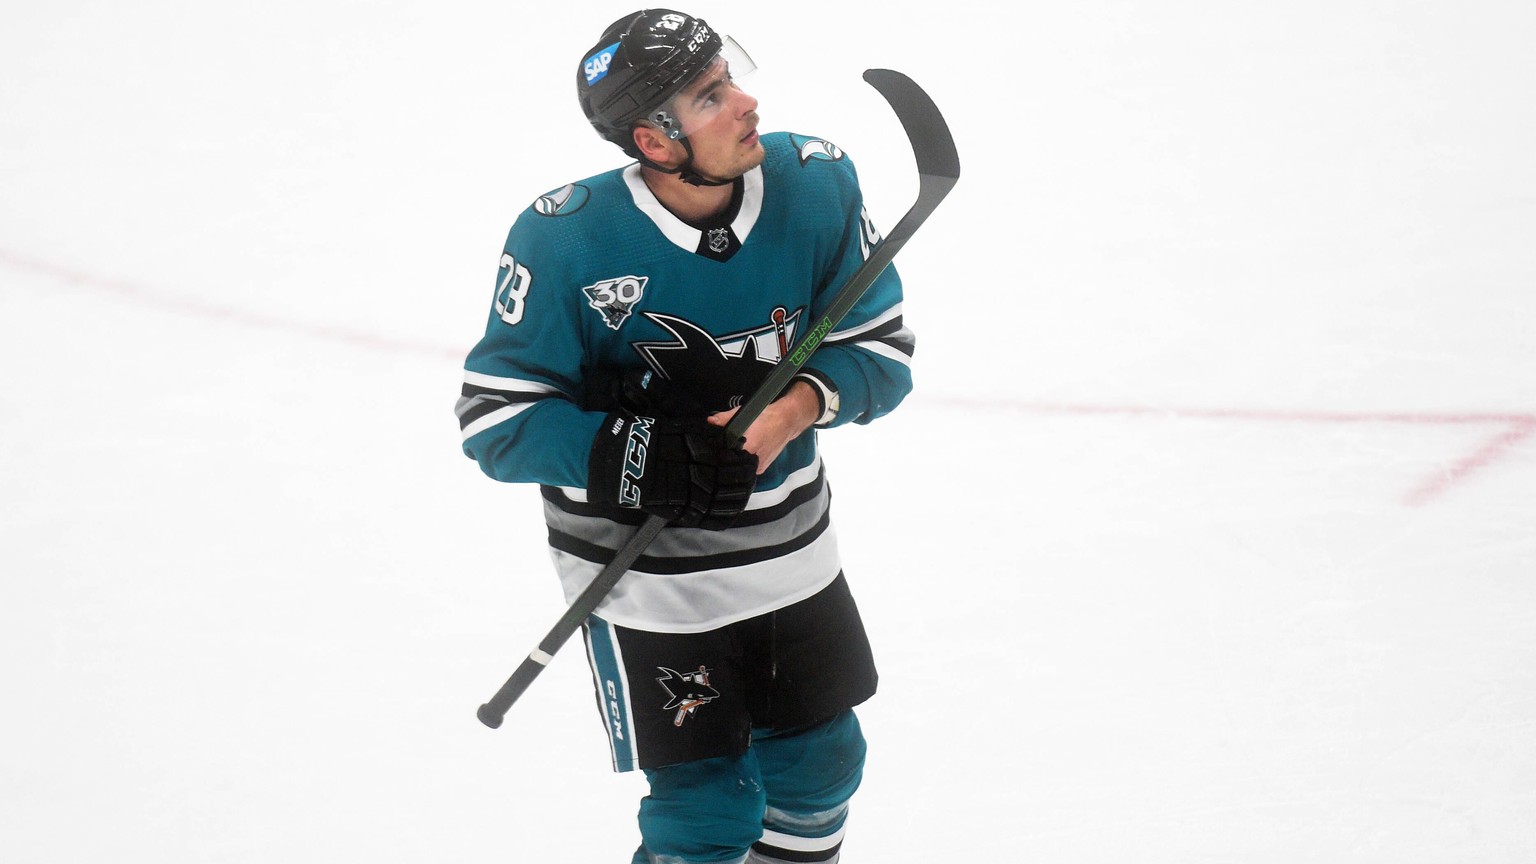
{"x": 721, "y": 123}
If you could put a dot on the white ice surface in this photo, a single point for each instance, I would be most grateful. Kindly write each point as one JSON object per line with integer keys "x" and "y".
{"x": 1209, "y": 534}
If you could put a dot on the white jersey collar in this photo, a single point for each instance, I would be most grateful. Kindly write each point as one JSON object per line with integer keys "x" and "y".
{"x": 683, "y": 235}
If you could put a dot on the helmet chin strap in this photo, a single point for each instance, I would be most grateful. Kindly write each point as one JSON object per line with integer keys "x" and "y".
{"x": 686, "y": 171}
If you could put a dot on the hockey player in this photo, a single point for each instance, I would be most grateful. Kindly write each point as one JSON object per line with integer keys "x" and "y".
{"x": 633, "y": 312}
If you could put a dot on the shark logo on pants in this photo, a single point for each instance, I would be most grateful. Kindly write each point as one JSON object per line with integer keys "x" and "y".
{"x": 686, "y": 692}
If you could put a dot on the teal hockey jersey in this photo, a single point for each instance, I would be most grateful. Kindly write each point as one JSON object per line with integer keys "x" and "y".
{"x": 598, "y": 277}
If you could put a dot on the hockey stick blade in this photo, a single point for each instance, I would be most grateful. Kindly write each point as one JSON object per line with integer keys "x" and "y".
{"x": 938, "y": 168}
{"x": 932, "y": 144}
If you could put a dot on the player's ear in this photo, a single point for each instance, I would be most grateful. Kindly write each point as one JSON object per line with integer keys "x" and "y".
{"x": 654, "y": 145}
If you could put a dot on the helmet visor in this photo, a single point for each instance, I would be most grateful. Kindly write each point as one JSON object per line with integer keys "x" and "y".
{"x": 701, "y": 100}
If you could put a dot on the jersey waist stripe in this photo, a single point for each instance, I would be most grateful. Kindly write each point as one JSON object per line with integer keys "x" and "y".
{"x": 683, "y": 550}
{"x": 696, "y": 602}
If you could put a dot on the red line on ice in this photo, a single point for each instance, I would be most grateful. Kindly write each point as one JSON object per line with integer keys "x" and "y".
{"x": 1485, "y": 455}
{"x": 1513, "y": 428}
{"x": 241, "y": 317}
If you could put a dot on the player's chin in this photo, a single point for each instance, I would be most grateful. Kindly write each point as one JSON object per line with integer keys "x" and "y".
{"x": 754, "y": 155}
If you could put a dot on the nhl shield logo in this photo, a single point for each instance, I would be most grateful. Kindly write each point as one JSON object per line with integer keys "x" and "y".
{"x": 616, "y": 298}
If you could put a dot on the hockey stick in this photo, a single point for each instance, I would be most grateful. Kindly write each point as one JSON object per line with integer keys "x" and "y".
{"x": 938, "y": 169}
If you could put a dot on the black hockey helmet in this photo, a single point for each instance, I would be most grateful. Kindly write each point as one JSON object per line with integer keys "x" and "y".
{"x": 640, "y": 63}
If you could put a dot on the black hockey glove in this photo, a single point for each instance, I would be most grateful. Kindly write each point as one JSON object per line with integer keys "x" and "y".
{"x": 681, "y": 470}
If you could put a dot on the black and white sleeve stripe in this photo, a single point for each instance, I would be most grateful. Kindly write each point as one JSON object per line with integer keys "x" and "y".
{"x": 487, "y": 400}
{"x": 885, "y": 335}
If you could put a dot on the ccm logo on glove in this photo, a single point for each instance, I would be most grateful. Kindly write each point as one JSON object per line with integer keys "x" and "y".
{"x": 634, "y": 459}
{"x": 684, "y": 470}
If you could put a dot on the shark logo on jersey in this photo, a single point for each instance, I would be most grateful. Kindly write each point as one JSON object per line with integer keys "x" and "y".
{"x": 815, "y": 149}
{"x": 721, "y": 371}
{"x": 616, "y": 298}
{"x": 563, "y": 201}
{"x": 686, "y": 691}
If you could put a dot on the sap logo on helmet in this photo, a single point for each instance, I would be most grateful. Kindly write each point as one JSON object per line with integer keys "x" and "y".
{"x": 596, "y": 66}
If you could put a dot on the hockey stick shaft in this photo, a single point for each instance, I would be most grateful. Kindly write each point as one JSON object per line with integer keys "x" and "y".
{"x": 938, "y": 166}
